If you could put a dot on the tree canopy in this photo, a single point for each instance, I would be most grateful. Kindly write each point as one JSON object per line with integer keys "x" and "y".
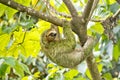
{"x": 23, "y": 21}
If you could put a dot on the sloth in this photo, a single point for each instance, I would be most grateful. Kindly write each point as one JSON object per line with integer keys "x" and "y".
{"x": 62, "y": 51}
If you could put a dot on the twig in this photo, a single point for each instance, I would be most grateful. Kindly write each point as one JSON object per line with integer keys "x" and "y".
{"x": 95, "y": 20}
{"x": 93, "y": 8}
{"x": 116, "y": 14}
{"x": 53, "y": 10}
{"x": 23, "y": 38}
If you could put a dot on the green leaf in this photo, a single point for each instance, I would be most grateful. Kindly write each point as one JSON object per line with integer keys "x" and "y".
{"x": 25, "y": 78}
{"x": 9, "y": 29}
{"x": 80, "y": 78}
{"x": 4, "y": 40}
{"x": 88, "y": 74}
{"x": 2, "y": 9}
{"x": 75, "y": 1}
{"x": 100, "y": 67}
{"x": 24, "y": 2}
{"x": 63, "y": 8}
{"x": 50, "y": 65}
{"x": 114, "y": 7}
{"x": 27, "y": 24}
{"x": 10, "y": 61}
{"x": 53, "y": 70}
{"x": 71, "y": 74}
{"x": 10, "y": 12}
{"x": 107, "y": 76}
{"x": 116, "y": 52}
{"x": 25, "y": 68}
{"x": 3, "y": 69}
{"x": 111, "y": 1}
{"x": 37, "y": 74}
{"x": 19, "y": 69}
{"x": 96, "y": 28}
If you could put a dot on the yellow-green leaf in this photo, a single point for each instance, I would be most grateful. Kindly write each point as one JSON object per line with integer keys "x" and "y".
{"x": 2, "y": 9}
{"x": 25, "y": 78}
{"x": 37, "y": 74}
{"x": 10, "y": 12}
{"x": 96, "y": 28}
{"x": 116, "y": 52}
{"x": 100, "y": 67}
{"x": 71, "y": 74}
{"x": 4, "y": 40}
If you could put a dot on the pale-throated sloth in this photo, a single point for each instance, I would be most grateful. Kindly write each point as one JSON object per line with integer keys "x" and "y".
{"x": 62, "y": 51}
{"x": 51, "y": 40}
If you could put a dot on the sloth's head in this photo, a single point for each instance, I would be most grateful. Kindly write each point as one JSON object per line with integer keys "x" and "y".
{"x": 51, "y": 35}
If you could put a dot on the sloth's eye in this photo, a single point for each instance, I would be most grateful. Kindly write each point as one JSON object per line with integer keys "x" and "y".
{"x": 52, "y": 34}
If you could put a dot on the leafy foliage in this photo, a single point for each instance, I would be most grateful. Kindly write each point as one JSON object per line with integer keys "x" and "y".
{"x": 20, "y": 56}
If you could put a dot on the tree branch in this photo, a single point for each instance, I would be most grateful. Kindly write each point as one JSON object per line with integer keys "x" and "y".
{"x": 93, "y": 8}
{"x": 71, "y": 8}
{"x": 92, "y": 66}
{"x": 32, "y": 12}
{"x": 80, "y": 23}
{"x": 72, "y": 59}
{"x": 116, "y": 14}
{"x": 87, "y": 10}
{"x": 55, "y": 12}
{"x": 77, "y": 25}
{"x": 108, "y": 25}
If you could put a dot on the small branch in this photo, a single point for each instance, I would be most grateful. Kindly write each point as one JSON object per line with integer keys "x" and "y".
{"x": 53, "y": 10}
{"x": 95, "y": 20}
{"x": 116, "y": 14}
{"x": 113, "y": 17}
{"x": 87, "y": 10}
{"x": 23, "y": 38}
{"x": 32, "y": 12}
{"x": 118, "y": 1}
{"x": 109, "y": 23}
{"x": 93, "y": 8}
{"x": 71, "y": 8}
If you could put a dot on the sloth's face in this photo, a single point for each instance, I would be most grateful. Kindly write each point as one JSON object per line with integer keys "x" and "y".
{"x": 51, "y": 36}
